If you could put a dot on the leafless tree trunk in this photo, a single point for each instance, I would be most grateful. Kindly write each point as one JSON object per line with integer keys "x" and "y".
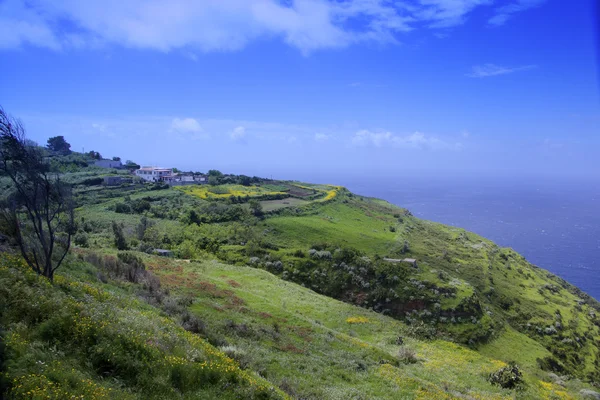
{"x": 39, "y": 211}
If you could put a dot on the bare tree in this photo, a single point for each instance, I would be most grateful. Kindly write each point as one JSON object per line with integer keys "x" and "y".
{"x": 39, "y": 210}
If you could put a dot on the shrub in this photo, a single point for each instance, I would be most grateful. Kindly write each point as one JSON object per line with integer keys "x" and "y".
{"x": 236, "y": 354}
{"x": 407, "y": 355}
{"x": 92, "y": 181}
{"x": 145, "y": 247}
{"x": 509, "y": 377}
{"x": 81, "y": 239}
{"x": 299, "y": 253}
{"x": 122, "y": 208}
{"x": 140, "y": 206}
{"x": 420, "y": 330}
{"x": 191, "y": 323}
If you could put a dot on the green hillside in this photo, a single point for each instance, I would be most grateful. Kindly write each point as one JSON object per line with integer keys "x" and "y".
{"x": 285, "y": 289}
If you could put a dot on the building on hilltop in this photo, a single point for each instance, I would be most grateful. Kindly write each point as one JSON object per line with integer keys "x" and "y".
{"x": 154, "y": 174}
{"x": 201, "y": 179}
{"x": 108, "y": 164}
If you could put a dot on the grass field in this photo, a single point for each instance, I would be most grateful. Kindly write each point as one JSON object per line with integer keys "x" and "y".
{"x": 272, "y": 205}
{"x": 338, "y": 223}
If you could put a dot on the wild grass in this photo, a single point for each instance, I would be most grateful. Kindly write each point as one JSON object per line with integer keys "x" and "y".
{"x": 85, "y": 339}
{"x": 307, "y": 342}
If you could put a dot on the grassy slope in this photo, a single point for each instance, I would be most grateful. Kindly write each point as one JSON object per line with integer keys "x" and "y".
{"x": 80, "y": 338}
{"x": 497, "y": 275}
{"x": 301, "y": 340}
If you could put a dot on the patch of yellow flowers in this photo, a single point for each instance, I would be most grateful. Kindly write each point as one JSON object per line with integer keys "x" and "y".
{"x": 357, "y": 320}
{"x": 204, "y": 192}
{"x": 553, "y": 391}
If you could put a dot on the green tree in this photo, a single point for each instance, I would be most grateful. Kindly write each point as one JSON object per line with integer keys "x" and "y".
{"x": 256, "y": 208}
{"x": 38, "y": 209}
{"x": 58, "y": 144}
{"x": 120, "y": 241}
{"x": 144, "y": 224}
{"x": 131, "y": 165}
{"x": 95, "y": 155}
{"x": 215, "y": 177}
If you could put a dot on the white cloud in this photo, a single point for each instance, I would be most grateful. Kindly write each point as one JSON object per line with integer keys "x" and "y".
{"x": 416, "y": 140}
{"x": 238, "y": 133}
{"x": 18, "y": 25}
{"x": 506, "y": 12}
{"x": 185, "y": 125}
{"x": 224, "y": 25}
{"x": 187, "y": 129}
{"x": 207, "y": 25}
{"x": 487, "y": 70}
{"x": 321, "y": 137}
{"x": 448, "y": 13}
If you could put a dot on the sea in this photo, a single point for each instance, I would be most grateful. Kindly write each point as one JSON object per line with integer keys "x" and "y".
{"x": 554, "y": 223}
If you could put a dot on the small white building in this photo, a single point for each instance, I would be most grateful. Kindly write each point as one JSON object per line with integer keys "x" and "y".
{"x": 200, "y": 179}
{"x": 154, "y": 174}
{"x": 186, "y": 178}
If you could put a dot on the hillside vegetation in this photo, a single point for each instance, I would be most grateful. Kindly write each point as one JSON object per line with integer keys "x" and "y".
{"x": 285, "y": 289}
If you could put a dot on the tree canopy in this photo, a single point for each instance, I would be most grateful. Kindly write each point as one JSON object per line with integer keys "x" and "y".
{"x": 58, "y": 144}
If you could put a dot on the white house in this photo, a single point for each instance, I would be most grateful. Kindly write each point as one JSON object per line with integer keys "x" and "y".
{"x": 200, "y": 179}
{"x": 153, "y": 174}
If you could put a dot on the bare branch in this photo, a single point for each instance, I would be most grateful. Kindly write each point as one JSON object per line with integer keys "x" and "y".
{"x": 39, "y": 203}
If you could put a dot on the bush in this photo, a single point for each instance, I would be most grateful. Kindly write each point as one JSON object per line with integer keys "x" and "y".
{"x": 299, "y": 253}
{"x": 81, "y": 239}
{"x": 420, "y": 330}
{"x": 509, "y": 377}
{"x": 92, "y": 181}
{"x": 236, "y": 354}
{"x": 122, "y": 208}
{"x": 407, "y": 355}
{"x": 140, "y": 206}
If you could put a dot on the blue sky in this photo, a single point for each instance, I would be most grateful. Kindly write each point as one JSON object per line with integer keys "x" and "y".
{"x": 312, "y": 89}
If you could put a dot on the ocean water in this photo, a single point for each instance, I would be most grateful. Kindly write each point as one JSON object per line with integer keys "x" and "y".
{"x": 555, "y": 224}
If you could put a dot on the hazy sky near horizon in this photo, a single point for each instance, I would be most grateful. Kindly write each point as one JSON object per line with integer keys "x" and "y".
{"x": 309, "y": 88}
